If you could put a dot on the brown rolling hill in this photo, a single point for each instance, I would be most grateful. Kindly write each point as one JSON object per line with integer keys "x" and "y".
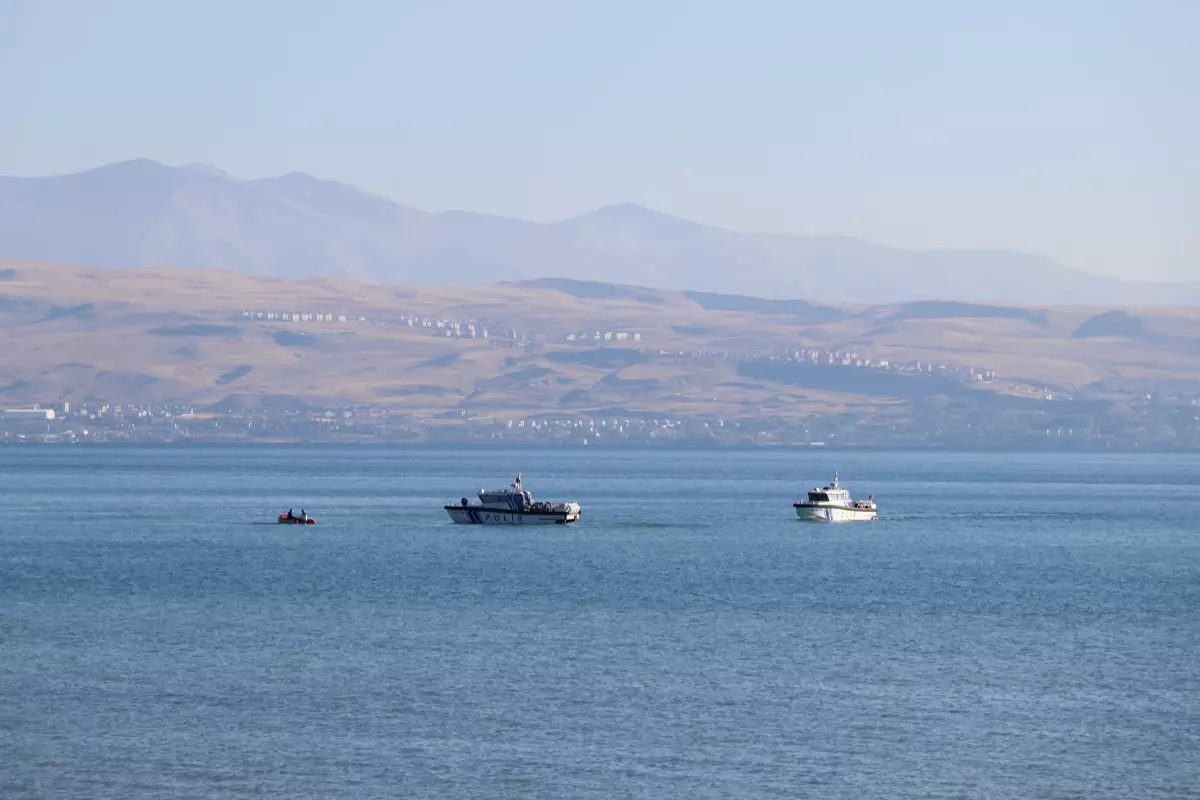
{"x": 206, "y": 337}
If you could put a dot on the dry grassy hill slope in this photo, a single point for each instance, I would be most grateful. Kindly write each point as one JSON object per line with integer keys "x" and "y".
{"x": 202, "y": 336}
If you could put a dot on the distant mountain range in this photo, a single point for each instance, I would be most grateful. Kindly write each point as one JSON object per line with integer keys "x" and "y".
{"x": 142, "y": 213}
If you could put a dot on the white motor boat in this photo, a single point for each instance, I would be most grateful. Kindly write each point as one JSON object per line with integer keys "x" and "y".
{"x": 832, "y": 503}
{"x": 513, "y": 505}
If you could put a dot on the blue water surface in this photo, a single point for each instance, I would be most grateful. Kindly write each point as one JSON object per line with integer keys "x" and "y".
{"x": 1014, "y": 626}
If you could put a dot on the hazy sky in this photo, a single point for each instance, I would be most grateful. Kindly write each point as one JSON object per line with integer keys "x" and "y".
{"x": 1064, "y": 127}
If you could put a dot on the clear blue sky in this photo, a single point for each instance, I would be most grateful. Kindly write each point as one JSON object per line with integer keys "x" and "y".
{"x": 1064, "y": 127}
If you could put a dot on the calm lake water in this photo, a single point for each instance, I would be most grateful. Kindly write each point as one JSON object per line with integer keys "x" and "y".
{"x": 1014, "y": 626}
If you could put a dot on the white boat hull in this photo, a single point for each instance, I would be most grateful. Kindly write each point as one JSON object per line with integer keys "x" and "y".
{"x": 835, "y": 513}
{"x": 473, "y": 515}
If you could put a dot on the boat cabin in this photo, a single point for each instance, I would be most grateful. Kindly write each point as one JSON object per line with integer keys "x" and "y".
{"x": 503, "y": 495}
{"x": 513, "y": 497}
{"x": 833, "y": 493}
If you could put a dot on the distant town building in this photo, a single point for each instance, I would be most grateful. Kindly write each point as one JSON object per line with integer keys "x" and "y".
{"x": 27, "y": 413}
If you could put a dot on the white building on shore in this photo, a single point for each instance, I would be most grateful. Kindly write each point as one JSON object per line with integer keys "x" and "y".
{"x": 27, "y": 413}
